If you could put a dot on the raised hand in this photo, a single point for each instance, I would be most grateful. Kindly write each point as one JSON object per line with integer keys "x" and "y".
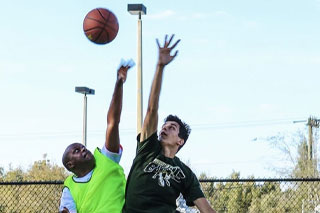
{"x": 123, "y": 70}
{"x": 122, "y": 73}
{"x": 164, "y": 52}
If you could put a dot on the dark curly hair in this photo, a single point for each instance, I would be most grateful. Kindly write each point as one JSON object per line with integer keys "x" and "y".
{"x": 184, "y": 130}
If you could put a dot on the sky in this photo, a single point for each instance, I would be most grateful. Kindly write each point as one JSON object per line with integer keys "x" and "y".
{"x": 245, "y": 71}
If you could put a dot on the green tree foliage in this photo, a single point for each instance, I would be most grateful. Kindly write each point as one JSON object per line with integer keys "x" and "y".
{"x": 260, "y": 197}
{"x": 305, "y": 167}
{"x": 31, "y": 198}
{"x": 41, "y": 170}
{"x": 294, "y": 151}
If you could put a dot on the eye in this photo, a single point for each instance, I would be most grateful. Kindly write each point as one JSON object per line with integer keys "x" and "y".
{"x": 76, "y": 150}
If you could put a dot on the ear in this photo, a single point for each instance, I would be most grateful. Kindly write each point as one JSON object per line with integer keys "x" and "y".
{"x": 180, "y": 142}
{"x": 70, "y": 165}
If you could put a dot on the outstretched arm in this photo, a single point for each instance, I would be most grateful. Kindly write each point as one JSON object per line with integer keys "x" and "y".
{"x": 203, "y": 205}
{"x": 151, "y": 120}
{"x": 113, "y": 119}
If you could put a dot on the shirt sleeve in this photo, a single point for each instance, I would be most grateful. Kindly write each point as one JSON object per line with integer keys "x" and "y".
{"x": 193, "y": 191}
{"x": 149, "y": 145}
{"x": 113, "y": 156}
{"x": 67, "y": 201}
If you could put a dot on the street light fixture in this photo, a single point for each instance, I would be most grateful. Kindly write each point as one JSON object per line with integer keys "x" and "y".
{"x": 139, "y": 9}
{"x": 86, "y": 91}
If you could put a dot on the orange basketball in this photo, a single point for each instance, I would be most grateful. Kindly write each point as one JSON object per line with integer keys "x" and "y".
{"x": 100, "y": 26}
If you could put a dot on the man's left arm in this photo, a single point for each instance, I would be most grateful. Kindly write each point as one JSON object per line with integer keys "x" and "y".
{"x": 67, "y": 204}
{"x": 203, "y": 205}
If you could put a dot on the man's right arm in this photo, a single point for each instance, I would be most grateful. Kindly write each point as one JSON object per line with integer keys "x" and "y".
{"x": 151, "y": 120}
{"x": 203, "y": 205}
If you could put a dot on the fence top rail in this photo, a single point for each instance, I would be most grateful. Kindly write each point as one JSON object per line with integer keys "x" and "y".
{"x": 262, "y": 180}
{"x": 33, "y": 183}
{"x": 58, "y": 182}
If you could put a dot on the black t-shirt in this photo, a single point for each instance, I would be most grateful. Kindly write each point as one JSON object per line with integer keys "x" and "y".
{"x": 156, "y": 181}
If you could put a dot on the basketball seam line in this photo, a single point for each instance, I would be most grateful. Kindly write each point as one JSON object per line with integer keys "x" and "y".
{"x": 100, "y": 23}
{"x": 95, "y": 20}
{"x": 105, "y": 24}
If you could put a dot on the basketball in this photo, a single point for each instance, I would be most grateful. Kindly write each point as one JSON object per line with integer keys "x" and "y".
{"x": 100, "y": 26}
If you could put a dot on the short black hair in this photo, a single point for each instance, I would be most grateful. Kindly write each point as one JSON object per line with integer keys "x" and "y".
{"x": 66, "y": 159}
{"x": 184, "y": 130}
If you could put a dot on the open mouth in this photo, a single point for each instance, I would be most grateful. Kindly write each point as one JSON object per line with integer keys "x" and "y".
{"x": 163, "y": 134}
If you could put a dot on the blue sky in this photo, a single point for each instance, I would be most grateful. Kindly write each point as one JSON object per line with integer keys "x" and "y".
{"x": 245, "y": 70}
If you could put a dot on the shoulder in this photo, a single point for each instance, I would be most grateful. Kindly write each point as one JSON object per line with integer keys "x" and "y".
{"x": 189, "y": 174}
{"x": 182, "y": 165}
{"x": 116, "y": 157}
{"x": 150, "y": 144}
{"x": 68, "y": 180}
{"x": 152, "y": 137}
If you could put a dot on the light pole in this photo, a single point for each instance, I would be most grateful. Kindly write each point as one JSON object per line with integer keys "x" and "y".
{"x": 139, "y": 9}
{"x": 86, "y": 91}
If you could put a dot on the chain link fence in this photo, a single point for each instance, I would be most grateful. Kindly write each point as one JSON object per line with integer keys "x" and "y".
{"x": 30, "y": 197}
{"x": 263, "y": 195}
{"x": 224, "y": 195}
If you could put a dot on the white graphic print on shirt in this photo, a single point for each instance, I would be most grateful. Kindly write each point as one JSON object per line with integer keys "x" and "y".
{"x": 164, "y": 172}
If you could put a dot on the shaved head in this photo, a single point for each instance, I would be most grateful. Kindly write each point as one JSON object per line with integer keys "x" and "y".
{"x": 66, "y": 155}
{"x": 77, "y": 159}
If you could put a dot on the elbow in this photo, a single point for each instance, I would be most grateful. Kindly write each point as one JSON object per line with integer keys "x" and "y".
{"x": 152, "y": 110}
{"x": 113, "y": 122}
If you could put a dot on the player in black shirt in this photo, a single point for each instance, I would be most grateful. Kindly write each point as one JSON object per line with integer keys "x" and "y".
{"x": 157, "y": 176}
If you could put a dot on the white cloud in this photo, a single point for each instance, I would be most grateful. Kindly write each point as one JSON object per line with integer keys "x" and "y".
{"x": 196, "y": 16}
{"x": 170, "y": 13}
{"x": 162, "y": 15}
{"x": 200, "y": 15}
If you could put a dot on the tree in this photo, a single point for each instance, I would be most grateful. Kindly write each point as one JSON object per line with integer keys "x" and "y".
{"x": 304, "y": 167}
{"x": 294, "y": 150}
{"x": 32, "y": 198}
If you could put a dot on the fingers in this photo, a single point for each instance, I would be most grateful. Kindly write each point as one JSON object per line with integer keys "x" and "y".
{"x": 157, "y": 40}
{"x": 126, "y": 64}
{"x": 170, "y": 39}
{"x": 175, "y": 44}
{"x": 175, "y": 54}
{"x": 123, "y": 68}
{"x": 165, "y": 41}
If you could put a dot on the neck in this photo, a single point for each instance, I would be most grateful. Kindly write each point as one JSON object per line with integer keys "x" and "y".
{"x": 83, "y": 172}
{"x": 169, "y": 152}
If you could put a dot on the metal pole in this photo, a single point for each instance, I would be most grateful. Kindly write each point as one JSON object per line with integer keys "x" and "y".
{"x": 139, "y": 77}
{"x": 310, "y": 140}
{"x": 84, "y": 139}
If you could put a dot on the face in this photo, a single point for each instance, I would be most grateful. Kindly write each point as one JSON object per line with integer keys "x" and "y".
{"x": 169, "y": 134}
{"x": 78, "y": 156}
